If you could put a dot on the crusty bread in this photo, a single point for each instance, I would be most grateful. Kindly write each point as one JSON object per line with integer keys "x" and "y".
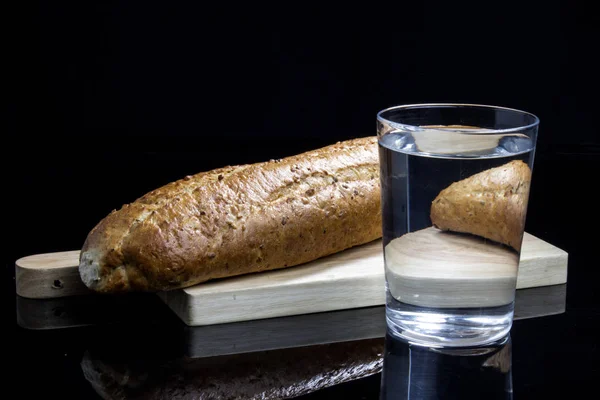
{"x": 238, "y": 220}
{"x": 491, "y": 204}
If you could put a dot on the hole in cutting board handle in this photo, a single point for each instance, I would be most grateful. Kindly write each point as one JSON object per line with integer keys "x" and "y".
{"x": 57, "y": 284}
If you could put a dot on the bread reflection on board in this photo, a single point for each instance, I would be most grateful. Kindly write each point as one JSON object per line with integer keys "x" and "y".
{"x": 276, "y": 374}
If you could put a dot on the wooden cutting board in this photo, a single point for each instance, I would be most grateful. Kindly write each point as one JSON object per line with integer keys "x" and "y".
{"x": 148, "y": 310}
{"x": 334, "y": 326}
{"x": 351, "y": 279}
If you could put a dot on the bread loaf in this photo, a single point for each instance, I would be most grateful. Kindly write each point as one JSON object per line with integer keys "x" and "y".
{"x": 491, "y": 204}
{"x": 238, "y": 220}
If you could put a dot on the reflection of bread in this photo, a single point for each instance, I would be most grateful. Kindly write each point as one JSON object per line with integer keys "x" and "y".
{"x": 275, "y": 374}
{"x": 491, "y": 204}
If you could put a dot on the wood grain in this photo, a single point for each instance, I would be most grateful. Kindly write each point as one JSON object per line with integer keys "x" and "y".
{"x": 541, "y": 264}
{"x": 350, "y": 279}
{"x": 434, "y": 268}
{"x": 49, "y": 275}
{"x": 334, "y": 326}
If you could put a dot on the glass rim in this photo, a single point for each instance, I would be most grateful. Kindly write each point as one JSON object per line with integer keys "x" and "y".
{"x": 484, "y": 131}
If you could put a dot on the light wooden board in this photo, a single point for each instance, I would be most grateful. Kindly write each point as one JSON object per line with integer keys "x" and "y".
{"x": 49, "y": 275}
{"x": 433, "y": 268}
{"x": 334, "y": 326}
{"x": 350, "y": 279}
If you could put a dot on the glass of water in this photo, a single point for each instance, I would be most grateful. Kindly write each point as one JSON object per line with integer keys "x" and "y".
{"x": 455, "y": 184}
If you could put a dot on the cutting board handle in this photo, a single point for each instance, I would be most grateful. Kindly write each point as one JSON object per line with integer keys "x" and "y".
{"x": 50, "y": 275}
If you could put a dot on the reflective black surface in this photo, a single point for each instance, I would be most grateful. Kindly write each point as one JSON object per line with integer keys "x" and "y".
{"x": 413, "y": 372}
{"x": 120, "y": 98}
{"x": 153, "y": 355}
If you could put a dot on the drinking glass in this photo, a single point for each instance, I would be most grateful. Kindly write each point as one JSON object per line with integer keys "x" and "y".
{"x": 455, "y": 182}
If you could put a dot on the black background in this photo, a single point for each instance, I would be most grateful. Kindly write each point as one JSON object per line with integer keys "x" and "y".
{"x": 108, "y": 100}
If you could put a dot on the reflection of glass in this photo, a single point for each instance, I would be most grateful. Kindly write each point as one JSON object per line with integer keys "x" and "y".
{"x": 455, "y": 185}
{"x": 417, "y": 372}
{"x": 298, "y": 354}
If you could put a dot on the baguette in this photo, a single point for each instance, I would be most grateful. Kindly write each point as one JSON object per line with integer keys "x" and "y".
{"x": 238, "y": 220}
{"x": 491, "y": 204}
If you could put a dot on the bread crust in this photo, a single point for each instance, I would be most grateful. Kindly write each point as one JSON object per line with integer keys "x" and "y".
{"x": 491, "y": 204}
{"x": 238, "y": 220}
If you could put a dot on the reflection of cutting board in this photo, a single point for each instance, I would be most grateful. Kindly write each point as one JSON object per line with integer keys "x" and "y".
{"x": 350, "y": 279}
